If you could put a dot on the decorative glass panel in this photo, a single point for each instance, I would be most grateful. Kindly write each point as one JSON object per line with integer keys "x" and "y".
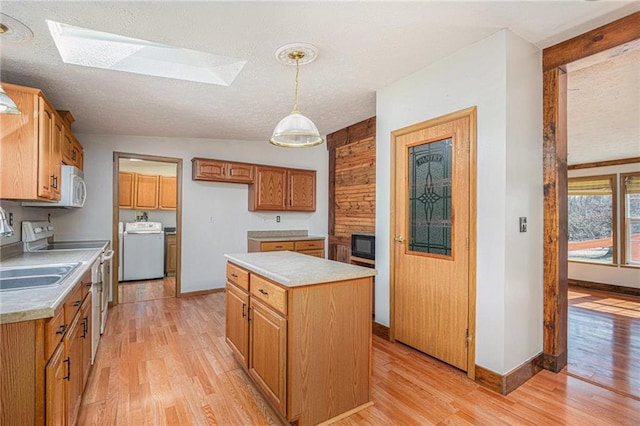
{"x": 430, "y": 197}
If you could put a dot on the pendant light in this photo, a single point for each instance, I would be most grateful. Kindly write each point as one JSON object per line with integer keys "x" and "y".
{"x": 296, "y": 130}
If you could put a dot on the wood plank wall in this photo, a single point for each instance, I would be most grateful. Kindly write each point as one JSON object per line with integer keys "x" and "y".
{"x": 352, "y": 185}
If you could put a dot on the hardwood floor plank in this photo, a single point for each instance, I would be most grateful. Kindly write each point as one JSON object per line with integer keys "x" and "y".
{"x": 166, "y": 362}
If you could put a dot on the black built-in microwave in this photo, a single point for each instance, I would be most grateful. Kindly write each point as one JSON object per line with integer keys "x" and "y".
{"x": 363, "y": 245}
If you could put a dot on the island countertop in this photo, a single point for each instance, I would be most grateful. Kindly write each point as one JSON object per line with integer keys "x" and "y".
{"x": 292, "y": 269}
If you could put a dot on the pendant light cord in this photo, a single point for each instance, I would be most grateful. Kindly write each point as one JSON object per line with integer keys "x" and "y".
{"x": 295, "y": 106}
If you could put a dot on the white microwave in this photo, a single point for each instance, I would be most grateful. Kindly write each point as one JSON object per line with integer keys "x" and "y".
{"x": 73, "y": 191}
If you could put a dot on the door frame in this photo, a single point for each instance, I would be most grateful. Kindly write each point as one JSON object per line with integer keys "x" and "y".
{"x": 116, "y": 210}
{"x": 471, "y": 114}
{"x": 555, "y": 229}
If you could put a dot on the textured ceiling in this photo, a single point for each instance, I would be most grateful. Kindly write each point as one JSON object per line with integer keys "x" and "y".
{"x": 363, "y": 46}
{"x": 603, "y": 108}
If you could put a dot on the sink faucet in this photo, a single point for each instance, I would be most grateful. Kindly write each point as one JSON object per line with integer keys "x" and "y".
{"x": 5, "y": 229}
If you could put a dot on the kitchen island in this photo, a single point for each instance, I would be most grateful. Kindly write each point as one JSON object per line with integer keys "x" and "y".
{"x": 301, "y": 328}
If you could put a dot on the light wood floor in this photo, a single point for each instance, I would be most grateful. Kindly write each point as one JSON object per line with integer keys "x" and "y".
{"x": 141, "y": 291}
{"x": 166, "y": 362}
{"x": 604, "y": 340}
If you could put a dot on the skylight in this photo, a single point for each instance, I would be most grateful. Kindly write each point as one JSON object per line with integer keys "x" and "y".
{"x": 96, "y": 49}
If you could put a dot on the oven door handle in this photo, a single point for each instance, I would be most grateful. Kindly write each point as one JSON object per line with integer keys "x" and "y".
{"x": 108, "y": 256}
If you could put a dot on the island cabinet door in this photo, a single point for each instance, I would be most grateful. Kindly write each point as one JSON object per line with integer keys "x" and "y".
{"x": 267, "y": 363}
{"x": 237, "y": 323}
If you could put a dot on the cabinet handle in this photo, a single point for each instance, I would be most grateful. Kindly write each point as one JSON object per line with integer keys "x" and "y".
{"x": 244, "y": 310}
{"x": 61, "y": 329}
{"x": 77, "y": 303}
{"x": 55, "y": 182}
{"x": 73, "y": 155}
{"x": 234, "y": 275}
{"x": 263, "y": 292}
{"x": 68, "y": 376}
{"x": 85, "y": 327}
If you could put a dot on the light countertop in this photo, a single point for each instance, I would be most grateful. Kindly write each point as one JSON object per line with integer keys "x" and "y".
{"x": 43, "y": 302}
{"x": 295, "y": 269}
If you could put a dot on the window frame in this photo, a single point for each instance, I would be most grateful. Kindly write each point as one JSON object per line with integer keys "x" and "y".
{"x": 613, "y": 180}
{"x": 624, "y": 258}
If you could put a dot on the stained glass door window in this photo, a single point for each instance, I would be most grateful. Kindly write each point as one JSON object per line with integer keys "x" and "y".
{"x": 430, "y": 176}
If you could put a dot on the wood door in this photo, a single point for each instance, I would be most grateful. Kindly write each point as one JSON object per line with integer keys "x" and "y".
{"x": 268, "y": 352}
{"x": 268, "y": 191}
{"x": 146, "y": 190}
{"x": 302, "y": 190}
{"x": 85, "y": 324}
{"x": 206, "y": 169}
{"x": 432, "y": 225}
{"x": 237, "y": 323}
{"x": 56, "y": 376}
{"x": 126, "y": 190}
{"x": 45, "y": 141}
{"x": 73, "y": 349}
{"x": 168, "y": 199}
{"x": 239, "y": 172}
{"x": 56, "y": 156}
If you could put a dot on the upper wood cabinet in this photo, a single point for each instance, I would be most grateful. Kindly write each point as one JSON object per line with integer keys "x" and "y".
{"x": 221, "y": 171}
{"x": 269, "y": 191}
{"x": 72, "y": 151}
{"x": 146, "y": 191}
{"x": 31, "y": 147}
{"x": 280, "y": 189}
{"x": 126, "y": 192}
{"x": 168, "y": 195}
{"x": 302, "y": 190}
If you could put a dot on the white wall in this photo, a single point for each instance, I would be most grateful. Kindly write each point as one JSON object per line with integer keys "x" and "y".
{"x": 614, "y": 275}
{"x": 215, "y": 219}
{"x": 501, "y": 75}
{"x": 19, "y": 214}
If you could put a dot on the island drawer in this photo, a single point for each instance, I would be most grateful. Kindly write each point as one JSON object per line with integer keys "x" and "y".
{"x": 54, "y": 331}
{"x": 273, "y": 295}
{"x": 238, "y": 276}
{"x": 277, "y": 246}
{"x": 309, "y": 244}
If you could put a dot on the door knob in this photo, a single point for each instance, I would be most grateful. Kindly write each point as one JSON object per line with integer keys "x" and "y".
{"x": 399, "y": 239}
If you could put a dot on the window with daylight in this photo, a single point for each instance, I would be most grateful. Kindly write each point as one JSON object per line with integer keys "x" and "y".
{"x": 630, "y": 229}
{"x": 592, "y": 219}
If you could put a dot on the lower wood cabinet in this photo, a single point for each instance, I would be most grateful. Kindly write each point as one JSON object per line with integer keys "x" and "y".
{"x": 46, "y": 362}
{"x": 307, "y": 348}
{"x": 170, "y": 255}
{"x": 312, "y": 247}
{"x": 268, "y": 349}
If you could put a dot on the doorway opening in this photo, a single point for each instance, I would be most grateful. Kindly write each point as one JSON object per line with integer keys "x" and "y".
{"x": 146, "y": 227}
{"x": 555, "y": 60}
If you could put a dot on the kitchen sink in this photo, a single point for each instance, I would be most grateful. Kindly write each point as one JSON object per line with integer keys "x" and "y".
{"x": 34, "y": 276}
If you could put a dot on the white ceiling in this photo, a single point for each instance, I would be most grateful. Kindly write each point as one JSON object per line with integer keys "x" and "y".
{"x": 363, "y": 46}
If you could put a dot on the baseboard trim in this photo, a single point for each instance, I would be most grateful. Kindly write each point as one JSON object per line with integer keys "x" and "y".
{"x": 380, "y": 330}
{"x": 201, "y": 292}
{"x": 609, "y": 288}
{"x": 505, "y": 384}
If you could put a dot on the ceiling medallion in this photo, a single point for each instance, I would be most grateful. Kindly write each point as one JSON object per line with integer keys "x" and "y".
{"x": 13, "y": 31}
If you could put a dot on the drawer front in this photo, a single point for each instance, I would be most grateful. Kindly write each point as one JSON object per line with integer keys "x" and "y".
{"x": 309, "y": 245}
{"x": 54, "y": 330}
{"x": 238, "y": 276}
{"x": 273, "y": 295}
{"x": 277, "y": 246}
{"x": 72, "y": 304}
{"x": 316, "y": 253}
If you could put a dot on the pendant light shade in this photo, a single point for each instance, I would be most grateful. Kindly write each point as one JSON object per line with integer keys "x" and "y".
{"x": 296, "y": 130}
